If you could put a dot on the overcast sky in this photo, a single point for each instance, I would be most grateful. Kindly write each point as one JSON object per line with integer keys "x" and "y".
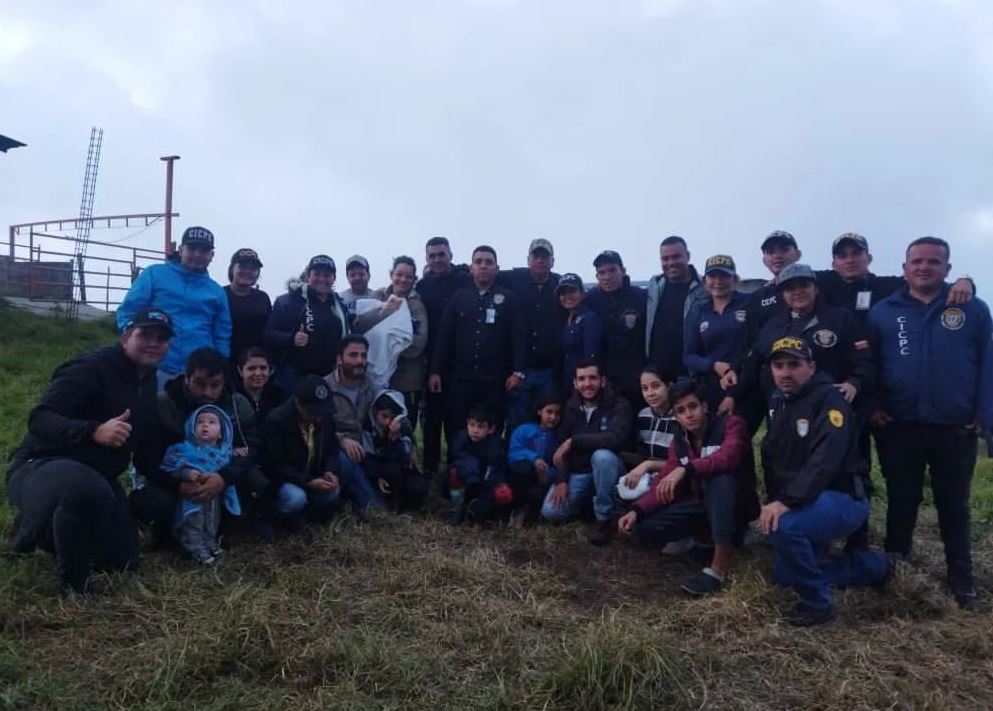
{"x": 365, "y": 126}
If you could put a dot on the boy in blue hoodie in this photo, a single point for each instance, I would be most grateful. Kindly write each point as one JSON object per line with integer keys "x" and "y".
{"x": 530, "y": 455}
{"x": 206, "y": 450}
{"x": 477, "y": 470}
{"x": 389, "y": 462}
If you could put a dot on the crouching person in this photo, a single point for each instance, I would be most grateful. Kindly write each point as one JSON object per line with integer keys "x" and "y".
{"x": 705, "y": 483}
{"x": 530, "y": 454}
{"x": 389, "y": 460}
{"x": 815, "y": 486}
{"x": 300, "y": 455}
{"x": 596, "y": 426}
{"x": 477, "y": 470}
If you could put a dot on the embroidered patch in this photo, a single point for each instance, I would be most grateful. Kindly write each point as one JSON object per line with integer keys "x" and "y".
{"x": 498, "y": 299}
{"x": 630, "y": 318}
{"x": 953, "y": 318}
{"x": 836, "y": 418}
{"x": 740, "y": 315}
{"x": 704, "y": 325}
{"x": 802, "y": 427}
{"x": 825, "y": 338}
{"x": 321, "y": 392}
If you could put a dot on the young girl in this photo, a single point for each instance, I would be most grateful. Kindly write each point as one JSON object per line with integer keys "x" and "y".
{"x": 656, "y": 427}
{"x": 207, "y": 450}
{"x": 530, "y": 455}
{"x": 255, "y": 382}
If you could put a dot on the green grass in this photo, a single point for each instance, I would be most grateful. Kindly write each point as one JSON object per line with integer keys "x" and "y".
{"x": 408, "y": 613}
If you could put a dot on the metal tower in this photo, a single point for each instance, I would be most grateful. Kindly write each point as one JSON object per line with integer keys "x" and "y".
{"x": 85, "y": 223}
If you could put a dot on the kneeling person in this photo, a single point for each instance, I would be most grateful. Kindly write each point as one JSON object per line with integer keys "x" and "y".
{"x": 389, "y": 462}
{"x": 477, "y": 469}
{"x": 815, "y": 485}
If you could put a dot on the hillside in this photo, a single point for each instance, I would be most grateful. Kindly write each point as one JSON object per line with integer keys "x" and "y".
{"x": 408, "y": 613}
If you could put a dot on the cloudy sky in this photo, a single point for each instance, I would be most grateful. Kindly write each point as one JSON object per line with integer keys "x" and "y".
{"x": 365, "y": 126}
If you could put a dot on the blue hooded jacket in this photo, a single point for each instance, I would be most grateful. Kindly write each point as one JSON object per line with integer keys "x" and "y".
{"x": 935, "y": 361}
{"x": 196, "y": 304}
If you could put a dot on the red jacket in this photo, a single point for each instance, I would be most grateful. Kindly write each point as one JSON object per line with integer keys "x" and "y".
{"x": 725, "y": 450}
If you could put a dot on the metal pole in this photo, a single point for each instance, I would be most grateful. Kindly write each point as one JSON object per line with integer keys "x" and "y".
{"x": 170, "y": 247}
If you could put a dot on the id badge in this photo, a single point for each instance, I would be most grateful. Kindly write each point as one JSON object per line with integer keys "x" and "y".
{"x": 491, "y": 315}
{"x": 863, "y": 300}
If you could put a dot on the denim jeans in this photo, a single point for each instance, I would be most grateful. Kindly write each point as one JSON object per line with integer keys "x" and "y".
{"x": 799, "y": 538}
{"x": 520, "y": 400}
{"x": 357, "y": 485}
{"x": 598, "y": 485}
{"x": 292, "y": 499}
{"x": 676, "y": 521}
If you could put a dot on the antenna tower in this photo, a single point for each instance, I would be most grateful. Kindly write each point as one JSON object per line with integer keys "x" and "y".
{"x": 85, "y": 223}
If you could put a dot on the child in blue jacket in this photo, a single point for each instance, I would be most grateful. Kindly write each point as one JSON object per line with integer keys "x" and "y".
{"x": 530, "y": 455}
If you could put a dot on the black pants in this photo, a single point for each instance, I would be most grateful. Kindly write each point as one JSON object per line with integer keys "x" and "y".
{"x": 529, "y": 492}
{"x": 76, "y": 513}
{"x": 433, "y": 418}
{"x": 906, "y": 449}
{"x": 676, "y": 521}
{"x": 461, "y": 395}
{"x": 408, "y": 487}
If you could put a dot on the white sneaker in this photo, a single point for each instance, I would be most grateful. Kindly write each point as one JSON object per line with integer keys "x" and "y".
{"x": 679, "y": 547}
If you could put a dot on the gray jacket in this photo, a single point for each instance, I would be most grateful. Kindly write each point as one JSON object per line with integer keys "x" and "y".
{"x": 349, "y": 416}
{"x": 656, "y": 285}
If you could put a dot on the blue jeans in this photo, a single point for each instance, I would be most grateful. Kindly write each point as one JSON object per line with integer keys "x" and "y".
{"x": 292, "y": 499}
{"x": 598, "y": 485}
{"x": 676, "y": 521}
{"x": 521, "y": 400}
{"x": 802, "y": 533}
{"x": 357, "y": 484}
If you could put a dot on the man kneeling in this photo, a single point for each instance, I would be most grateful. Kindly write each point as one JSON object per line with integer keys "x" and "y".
{"x": 815, "y": 485}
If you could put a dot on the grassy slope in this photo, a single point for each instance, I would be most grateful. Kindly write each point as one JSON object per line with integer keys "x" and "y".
{"x": 411, "y": 614}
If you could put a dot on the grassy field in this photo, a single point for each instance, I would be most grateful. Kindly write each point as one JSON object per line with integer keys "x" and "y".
{"x": 407, "y": 613}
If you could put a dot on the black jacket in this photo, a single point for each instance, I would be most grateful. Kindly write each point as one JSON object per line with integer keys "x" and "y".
{"x": 622, "y": 313}
{"x": 763, "y": 304}
{"x": 284, "y": 452}
{"x": 489, "y": 454}
{"x": 248, "y": 319}
{"x": 839, "y": 344}
{"x": 481, "y": 336}
{"x": 846, "y": 295}
{"x": 84, "y": 393}
{"x": 811, "y": 445}
{"x": 435, "y": 293}
{"x": 544, "y": 317}
{"x": 326, "y": 323}
{"x": 609, "y": 427}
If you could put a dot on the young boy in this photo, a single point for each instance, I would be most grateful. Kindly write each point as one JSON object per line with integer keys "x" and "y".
{"x": 531, "y": 448}
{"x": 206, "y": 450}
{"x": 477, "y": 470}
{"x": 389, "y": 453}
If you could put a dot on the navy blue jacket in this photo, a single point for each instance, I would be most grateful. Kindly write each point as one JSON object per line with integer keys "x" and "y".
{"x": 543, "y": 317}
{"x": 935, "y": 361}
{"x": 711, "y": 337}
{"x": 622, "y": 314}
{"x": 581, "y": 340}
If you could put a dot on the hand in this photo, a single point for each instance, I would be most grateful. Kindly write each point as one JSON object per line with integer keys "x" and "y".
{"x": 729, "y": 379}
{"x": 721, "y": 368}
{"x": 770, "y": 515}
{"x": 210, "y": 486}
{"x": 332, "y": 479}
{"x": 383, "y": 486}
{"x": 301, "y": 338}
{"x": 320, "y": 484}
{"x": 632, "y": 478}
{"x": 558, "y": 459}
{"x": 434, "y": 384}
{"x": 625, "y": 524}
{"x": 848, "y": 390}
{"x": 726, "y": 407}
{"x": 115, "y": 431}
{"x": 353, "y": 450}
{"x": 392, "y": 304}
{"x": 396, "y": 429}
{"x": 665, "y": 489}
{"x": 513, "y": 382}
{"x": 540, "y": 465}
{"x": 960, "y": 293}
{"x": 560, "y": 494}
{"x": 879, "y": 418}
{"x": 196, "y": 476}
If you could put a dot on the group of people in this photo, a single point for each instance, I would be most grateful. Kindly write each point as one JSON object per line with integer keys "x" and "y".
{"x": 632, "y": 407}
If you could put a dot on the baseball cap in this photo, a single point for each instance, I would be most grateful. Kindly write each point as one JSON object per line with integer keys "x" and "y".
{"x": 321, "y": 261}
{"x": 852, "y": 238}
{"x": 357, "y": 259}
{"x": 151, "y": 318}
{"x": 792, "y": 346}
{"x": 795, "y": 271}
{"x": 720, "y": 263}
{"x": 246, "y": 255}
{"x": 569, "y": 281}
{"x": 313, "y": 393}
{"x": 541, "y": 243}
{"x": 198, "y": 235}
{"x": 778, "y": 238}
{"x": 608, "y": 256}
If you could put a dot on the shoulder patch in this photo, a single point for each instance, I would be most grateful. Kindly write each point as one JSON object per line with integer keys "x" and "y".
{"x": 825, "y": 338}
{"x": 802, "y": 427}
{"x": 740, "y": 315}
{"x": 836, "y": 418}
{"x": 704, "y": 325}
{"x": 498, "y": 299}
{"x": 953, "y": 318}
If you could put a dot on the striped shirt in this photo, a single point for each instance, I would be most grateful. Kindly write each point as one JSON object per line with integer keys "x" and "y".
{"x": 655, "y": 433}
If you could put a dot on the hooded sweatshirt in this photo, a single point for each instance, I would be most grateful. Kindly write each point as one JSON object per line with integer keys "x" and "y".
{"x": 326, "y": 323}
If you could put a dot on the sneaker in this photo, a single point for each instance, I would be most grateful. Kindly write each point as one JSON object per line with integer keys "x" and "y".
{"x": 600, "y": 532}
{"x": 455, "y": 517}
{"x": 208, "y": 561}
{"x": 805, "y": 617}
{"x": 703, "y": 583}
{"x": 679, "y": 547}
{"x": 967, "y": 598}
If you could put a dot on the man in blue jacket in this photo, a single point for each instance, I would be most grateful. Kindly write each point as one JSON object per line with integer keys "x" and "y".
{"x": 183, "y": 289}
{"x": 935, "y": 396}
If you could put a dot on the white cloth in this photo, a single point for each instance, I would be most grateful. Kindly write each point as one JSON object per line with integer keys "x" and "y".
{"x": 627, "y": 493}
{"x": 387, "y": 339}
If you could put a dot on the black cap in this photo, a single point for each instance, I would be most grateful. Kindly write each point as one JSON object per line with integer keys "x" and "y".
{"x": 608, "y": 256}
{"x": 321, "y": 261}
{"x": 791, "y": 345}
{"x": 151, "y": 318}
{"x": 313, "y": 393}
{"x": 778, "y": 238}
{"x": 720, "y": 263}
{"x": 198, "y": 235}
{"x": 569, "y": 281}
{"x": 852, "y": 238}
{"x": 246, "y": 256}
